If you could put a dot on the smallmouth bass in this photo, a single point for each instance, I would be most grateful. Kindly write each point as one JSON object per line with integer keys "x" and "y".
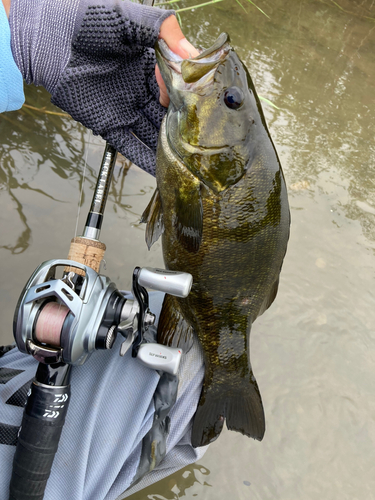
{"x": 222, "y": 210}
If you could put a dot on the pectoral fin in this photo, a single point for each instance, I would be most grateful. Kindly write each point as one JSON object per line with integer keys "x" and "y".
{"x": 189, "y": 217}
{"x": 153, "y": 216}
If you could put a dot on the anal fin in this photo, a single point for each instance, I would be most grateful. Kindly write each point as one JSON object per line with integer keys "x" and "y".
{"x": 173, "y": 329}
{"x": 269, "y": 298}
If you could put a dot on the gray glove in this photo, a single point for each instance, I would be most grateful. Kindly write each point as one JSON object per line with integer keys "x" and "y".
{"x": 97, "y": 61}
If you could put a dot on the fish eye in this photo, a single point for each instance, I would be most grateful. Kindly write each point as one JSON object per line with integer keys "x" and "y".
{"x": 233, "y": 97}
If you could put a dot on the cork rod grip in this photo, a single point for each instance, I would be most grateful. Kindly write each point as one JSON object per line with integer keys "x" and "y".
{"x": 86, "y": 251}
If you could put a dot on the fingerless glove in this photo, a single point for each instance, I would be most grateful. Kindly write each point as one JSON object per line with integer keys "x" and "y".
{"x": 97, "y": 61}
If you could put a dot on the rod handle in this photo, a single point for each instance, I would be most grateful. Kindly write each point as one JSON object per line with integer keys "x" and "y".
{"x": 86, "y": 251}
{"x": 38, "y": 439}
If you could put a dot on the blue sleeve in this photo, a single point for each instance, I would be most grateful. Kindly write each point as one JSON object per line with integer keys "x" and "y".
{"x": 11, "y": 83}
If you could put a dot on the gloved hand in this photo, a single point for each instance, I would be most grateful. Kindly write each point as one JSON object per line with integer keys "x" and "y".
{"x": 96, "y": 60}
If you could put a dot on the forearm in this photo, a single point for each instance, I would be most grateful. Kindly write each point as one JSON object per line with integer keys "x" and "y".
{"x": 11, "y": 84}
{"x": 43, "y": 32}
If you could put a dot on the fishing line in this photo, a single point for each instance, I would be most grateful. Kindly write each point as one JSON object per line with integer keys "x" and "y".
{"x": 83, "y": 181}
{"x": 52, "y": 316}
{"x": 82, "y": 184}
{"x": 50, "y": 323}
{"x": 139, "y": 140}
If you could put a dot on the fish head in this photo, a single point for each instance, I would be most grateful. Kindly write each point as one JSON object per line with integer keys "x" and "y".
{"x": 213, "y": 112}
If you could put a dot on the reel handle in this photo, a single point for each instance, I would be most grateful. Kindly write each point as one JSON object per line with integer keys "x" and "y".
{"x": 160, "y": 357}
{"x": 173, "y": 282}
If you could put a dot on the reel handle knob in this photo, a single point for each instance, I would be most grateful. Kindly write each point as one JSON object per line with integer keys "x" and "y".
{"x": 160, "y": 357}
{"x": 172, "y": 282}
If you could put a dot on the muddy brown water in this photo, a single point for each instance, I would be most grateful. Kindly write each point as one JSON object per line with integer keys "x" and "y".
{"x": 313, "y": 352}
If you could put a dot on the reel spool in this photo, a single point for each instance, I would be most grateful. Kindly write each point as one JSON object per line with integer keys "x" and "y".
{"x": 50, "y": 322}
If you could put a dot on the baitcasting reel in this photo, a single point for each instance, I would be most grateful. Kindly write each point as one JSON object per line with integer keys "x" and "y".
{"x": 65, "y": 320}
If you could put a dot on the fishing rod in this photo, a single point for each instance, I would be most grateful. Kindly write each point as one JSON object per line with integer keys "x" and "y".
{"x": 62, "y": 321}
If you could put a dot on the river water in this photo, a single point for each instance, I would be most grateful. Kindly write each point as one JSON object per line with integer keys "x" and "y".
{"x": 313, "y": 352}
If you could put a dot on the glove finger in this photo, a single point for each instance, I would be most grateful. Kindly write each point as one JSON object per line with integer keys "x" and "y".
{"x": 152, "y": 83}
{"x": 145, "y": 131}
{"x": 154, "y": 112}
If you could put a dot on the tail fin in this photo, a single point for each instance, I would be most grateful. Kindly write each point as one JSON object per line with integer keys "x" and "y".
{"x": 241, "y": 407}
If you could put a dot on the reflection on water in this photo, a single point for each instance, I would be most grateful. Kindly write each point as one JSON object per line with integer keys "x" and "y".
{"x": 32, "y": 141}
{"x": 314, "y": 350}
{"x": 191, "y": 478}
{"x": 48, "y": 169}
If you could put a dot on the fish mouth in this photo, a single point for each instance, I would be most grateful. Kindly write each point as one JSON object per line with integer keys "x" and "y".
{"x": 195, "y": 74}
